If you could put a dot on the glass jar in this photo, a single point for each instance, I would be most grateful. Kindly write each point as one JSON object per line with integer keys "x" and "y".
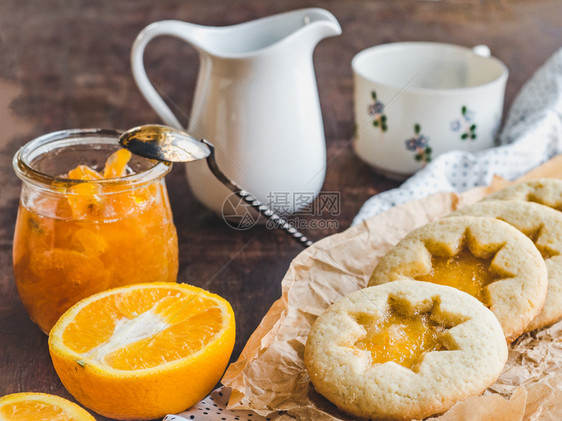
{"x": 74, "y": 238}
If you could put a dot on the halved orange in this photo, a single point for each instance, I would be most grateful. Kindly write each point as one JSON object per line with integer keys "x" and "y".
{"x": 143, "y": 351}
{"x": 40, "y": 407}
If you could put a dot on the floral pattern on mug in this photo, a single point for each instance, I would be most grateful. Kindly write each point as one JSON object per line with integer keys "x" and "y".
{"x": 465, "y": 124}
{"x": 376, "y": 111}
{"x": 419, "y": 144}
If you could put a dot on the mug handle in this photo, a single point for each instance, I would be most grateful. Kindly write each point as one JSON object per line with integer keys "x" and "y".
{"x": 482, "y": 50}
{"x": 184, "y": 31}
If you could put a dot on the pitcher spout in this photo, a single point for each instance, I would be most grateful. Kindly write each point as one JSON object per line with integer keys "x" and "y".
{"x": 317, "y": 25}
{"x": 305, "y": 27}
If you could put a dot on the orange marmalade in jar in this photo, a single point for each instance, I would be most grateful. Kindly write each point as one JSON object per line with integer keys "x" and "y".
{"x": 91, "y": 217}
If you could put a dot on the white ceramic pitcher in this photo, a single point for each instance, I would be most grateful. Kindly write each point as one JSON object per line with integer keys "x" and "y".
{"x": 256, "y": 100}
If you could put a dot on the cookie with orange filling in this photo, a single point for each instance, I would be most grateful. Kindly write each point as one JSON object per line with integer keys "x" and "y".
{"x": 404, "y": 350}
{"x": 543, "y": 226}
{"x": 485, "y": 257}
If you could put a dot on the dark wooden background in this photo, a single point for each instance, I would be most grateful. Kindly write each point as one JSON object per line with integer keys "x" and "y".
{"x": 65, "y": 64}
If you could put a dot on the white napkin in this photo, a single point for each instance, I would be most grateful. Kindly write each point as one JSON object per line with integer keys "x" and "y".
{"x": 213, "y": 407}
{"x": 531, "y": 136}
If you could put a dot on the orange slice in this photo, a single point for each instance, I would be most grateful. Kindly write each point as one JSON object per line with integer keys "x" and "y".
{"x": 143, "y": 351}
{"x": 40, "y": 407}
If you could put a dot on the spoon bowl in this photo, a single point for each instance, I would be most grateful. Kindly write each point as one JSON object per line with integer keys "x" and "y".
{"x": 163, "y": 143}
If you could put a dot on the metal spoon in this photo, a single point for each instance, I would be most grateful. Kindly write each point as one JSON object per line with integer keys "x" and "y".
{"x": 165, "y": 143}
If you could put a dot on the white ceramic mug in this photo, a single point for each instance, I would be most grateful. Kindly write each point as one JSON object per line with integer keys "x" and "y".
{"x": 416, "y": 100}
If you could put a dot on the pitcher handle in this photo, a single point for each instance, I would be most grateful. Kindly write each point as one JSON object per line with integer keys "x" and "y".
{"x": 182, "y": 30}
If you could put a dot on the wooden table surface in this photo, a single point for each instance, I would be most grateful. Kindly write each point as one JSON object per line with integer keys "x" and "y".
{"x": 64, "y": 64}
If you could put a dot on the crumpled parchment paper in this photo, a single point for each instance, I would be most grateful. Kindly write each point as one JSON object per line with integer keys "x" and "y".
{"x": 270, "y": 378}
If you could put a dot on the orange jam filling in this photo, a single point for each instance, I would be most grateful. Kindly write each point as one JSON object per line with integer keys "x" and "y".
{"x": 402, "y": 339}
{"x": 463, "y": 271}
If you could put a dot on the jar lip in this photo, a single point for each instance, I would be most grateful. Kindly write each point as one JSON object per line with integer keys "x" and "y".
{"x": 26, "y": 172}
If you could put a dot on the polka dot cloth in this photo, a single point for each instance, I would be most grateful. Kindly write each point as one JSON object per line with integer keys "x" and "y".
{"x": 531, "y": 136}
{"x": 213, "y": 407}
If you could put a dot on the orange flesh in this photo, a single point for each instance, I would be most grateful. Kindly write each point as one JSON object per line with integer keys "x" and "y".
{"x": 144, "y": 330}
{"x": 33, "y": 410}
{"x": 404, "y": 340}
{"x": 463, "y": 271}
{"x": 67, "y": 247}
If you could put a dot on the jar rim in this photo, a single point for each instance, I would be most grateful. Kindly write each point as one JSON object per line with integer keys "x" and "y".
{"x": 23, "y": 157}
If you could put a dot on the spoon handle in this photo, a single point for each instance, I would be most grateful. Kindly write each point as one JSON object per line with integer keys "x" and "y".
{"x": 271, "y": 215}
